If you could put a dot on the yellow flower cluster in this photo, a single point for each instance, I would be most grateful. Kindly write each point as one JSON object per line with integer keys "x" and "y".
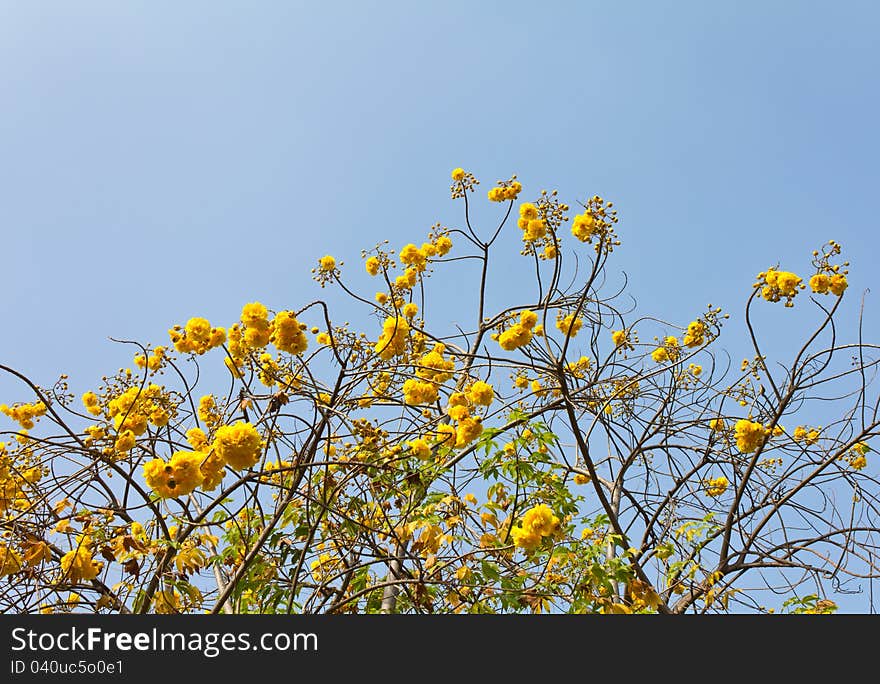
{"x": 420, "y": 449}
{"x": 533, "y": 227}
{"x": 519, "y": 334}
{"x": 417, "y": 257}
{"x": 24, "y": 414}
{"x": 78, "y": 565}
{"x": 717, "y": 486}
{"x": 418, "y": 392}
{"x": 288, "y": 333}
{"x": 325, "y": 567}
{"x": 178, "y": 477}
{"x": 829, "y": 278}
{"x": 407, "y": 280}
{"x": 197, "y": 438}
{"x": 596, "y": 222}
{"x": 372, "y": 264}
{"x": 623, "y": 340}
{"x": 326, "y": 271}
{"x": 670, "y": 350}
{"x": 568, "y": 325}
{"x": 239, "y": 445}
{"x": 327, "y": 263}
{"x": 92, "y": 403}
{"x": 695, "y": 335}
{"x": 10, "y": 561}
{"x": 269, "y": 370}
{"x": 464, "y": 182}
{"x": 856, "y": 456}
{"x": 213, "y": 469}
{"x": 392, "y": 341}
{"x": 537, "y": 524}
{"x": 505, "y": 190}
{"x": 467, "y": 427}
{"x": 808, "y": 436}
{"x": 776, "y": 285}
{"x": 208, "y": 412}
{"x": 749, "y": 435}
{"x": 434, "y": 367}
{"x": 580, "y": 367}
{"x": 134, "y": 409}
{"x": 196, "y": 337}
{"x": 257, "y": 329}
{"x": 823, "y": 284}
{"x": 15, "y": 480}
{"x": 481, "y": 393}
{"x": 153, "y": 361}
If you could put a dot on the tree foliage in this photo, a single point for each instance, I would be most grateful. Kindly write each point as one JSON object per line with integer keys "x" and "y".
{"x": 544, "y": 457}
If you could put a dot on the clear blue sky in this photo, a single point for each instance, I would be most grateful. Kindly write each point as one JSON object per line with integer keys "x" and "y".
{"x": 160, "y": 160}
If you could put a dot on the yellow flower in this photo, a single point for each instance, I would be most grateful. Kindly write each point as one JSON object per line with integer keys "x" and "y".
{"x": 660, "y": 355}
{"x": 254, "y": 314}
{"x": 372, "y": 265}
{"x": 581, "y": 479}
{"x": 125, "y": 441}
{"x": 819, "y": 283}
{"x": 802, "y": 434}
{"x": 717, "y": 486}
{"x": 481, "y": 393}
{"x": 412, "y": 256}
{"x": 10, "y": 561}
{"x": 239, "y": 445}
{"x": 838, "y": 284}
{"x": 78, "y": 565}
{"x": 524, "y": 539}
{"x": 467, "y": 431}
{"x": 528, "y": 211}
{"x": 457, "y": 174}
{"x": 443, "y": 245}
{"x": 213, "y": 469}
{"x": 416, "y": 392}
{"x": 410, "y": 310}
{"x": 619, "y": 337}
{"x": 432, "y": 366}
{"x": 695, "y": 335}
{"x": 256, "y": 322}
{"x": 537, "y": 523}
{"x": 749, "y": 435}
{"x": 446, "y": 434}
{"x": 775, "y": 285}
{"x": 420, "y": 449}
{"x": 196, "y": 438}
{"x": 178, "y": 477}
{"x": 90, "y": 400}
{"x": 569, "y": 325}
{"x": 392, "y": 341}
{"x": 328, "y": 263}
{"x": 583, "y": 227}
{"x": 288, "y": 334}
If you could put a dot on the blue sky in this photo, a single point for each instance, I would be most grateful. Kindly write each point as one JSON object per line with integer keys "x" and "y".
{"x": 163, "y": 160}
